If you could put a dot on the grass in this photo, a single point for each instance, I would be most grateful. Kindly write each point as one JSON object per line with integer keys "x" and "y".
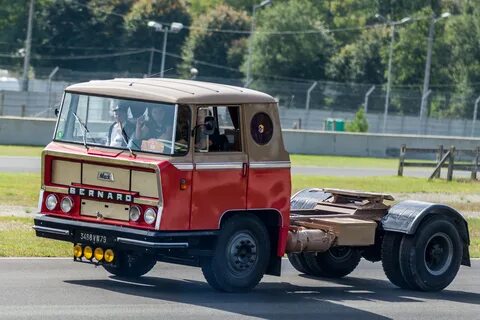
{"x": 20, "y": 151}
{"x": 17, "y": 239}
{"x": 19, "y": 189}
{"x": 387, "y": 184}
{"x": 474, "y": 227}
{"x": 342, "y": 162}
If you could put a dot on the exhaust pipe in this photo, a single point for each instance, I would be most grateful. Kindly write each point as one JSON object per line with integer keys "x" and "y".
{"x": 304, "y": 240}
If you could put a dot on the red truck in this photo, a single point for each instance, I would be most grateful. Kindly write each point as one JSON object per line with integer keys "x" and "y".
{"x": 196, "y": 173}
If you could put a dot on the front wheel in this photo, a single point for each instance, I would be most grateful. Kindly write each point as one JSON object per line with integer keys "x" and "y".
{"x": 431, "y": 258}
{"x": 241, "y": 255}
{"x": 130, "y": 265}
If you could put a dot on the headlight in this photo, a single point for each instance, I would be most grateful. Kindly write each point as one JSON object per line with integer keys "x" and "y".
{"x": 150, "y": 216}
{"x": 51, "y": 202}
{"x": 135, "y": 213}
{"x": 66, "y": 204}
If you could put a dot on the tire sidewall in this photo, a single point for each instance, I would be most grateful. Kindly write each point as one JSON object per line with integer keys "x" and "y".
{"x": 414, "y": 249}
{"x": 131, "y": 265}
{"x": 339, "y": 266}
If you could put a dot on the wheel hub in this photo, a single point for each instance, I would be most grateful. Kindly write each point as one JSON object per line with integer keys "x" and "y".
{"x": 242, "y": 255}
{"x": 438, "y": 253}
{"x": 340, "y": 253}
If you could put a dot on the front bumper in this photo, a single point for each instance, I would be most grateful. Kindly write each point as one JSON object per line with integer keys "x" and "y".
{"x": 122, "y": 237}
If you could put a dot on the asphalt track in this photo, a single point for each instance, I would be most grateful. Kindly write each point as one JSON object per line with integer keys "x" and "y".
{"x": 32, "y": 164}
{"x": 63, "y": 289}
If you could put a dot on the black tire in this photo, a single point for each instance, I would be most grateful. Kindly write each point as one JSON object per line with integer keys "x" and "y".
{"x": 431, "y": 258}
{"x": 298, "y": 262}
{"x": 241, "y": 255}
{"x": 131, "y": 265}
{"x": 391, "y": 259}
{"x": 337, "y": 262}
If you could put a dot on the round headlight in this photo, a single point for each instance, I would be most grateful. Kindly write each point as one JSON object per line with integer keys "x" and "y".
{"x": 135, "y": 213}
{"x": 66, "y": 204}
{"x": 150, "y": 216}
{"x": 51, "y": 202}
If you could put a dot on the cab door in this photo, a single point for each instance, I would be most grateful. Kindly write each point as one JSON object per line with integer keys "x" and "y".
{"x": 219, "y": 181}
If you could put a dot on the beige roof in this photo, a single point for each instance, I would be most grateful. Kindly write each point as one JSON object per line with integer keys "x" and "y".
{"x": 172, "y": 90}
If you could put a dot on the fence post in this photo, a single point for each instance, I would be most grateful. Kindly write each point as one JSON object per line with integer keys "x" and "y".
{"x": 451, "y": 161}
{"x": 439, "y": 158}
{"x": 309, "y": 91}
{"x": 23, "y": 110}
{"x": 403, "y": 150}
{"x": 475, "y": 164}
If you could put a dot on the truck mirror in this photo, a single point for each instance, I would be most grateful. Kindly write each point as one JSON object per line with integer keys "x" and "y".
{"x": 56, "y": 112}
{"x": 209, "y": 125}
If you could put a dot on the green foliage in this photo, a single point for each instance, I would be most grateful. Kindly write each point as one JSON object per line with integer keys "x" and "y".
{"x": 303, "y": 55}
{"x": 361, "y": 61}
{"x": 353, "y": 51}
{"x": 359, "y": 123}
{"x": 220, "y": 48}
{"x": 63, "y": 27}
{"x": 199, "y": 7}
{"x": 139, "y": 35}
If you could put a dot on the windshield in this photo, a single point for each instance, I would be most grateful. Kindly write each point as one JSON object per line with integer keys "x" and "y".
{"x": 124, "y": 124}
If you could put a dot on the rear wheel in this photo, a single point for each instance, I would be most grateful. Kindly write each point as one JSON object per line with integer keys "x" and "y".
{"x": 297, "y": 260}
{"x": 241, "y": 255}
{"x": 391, "y": 259}
{"x": 431, "y": 258}
{"x": 131, "y": 265}
{"x": 337, "y": 262}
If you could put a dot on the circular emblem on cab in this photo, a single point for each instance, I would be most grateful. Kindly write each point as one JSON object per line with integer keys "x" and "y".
{"x": 261, "y": 128}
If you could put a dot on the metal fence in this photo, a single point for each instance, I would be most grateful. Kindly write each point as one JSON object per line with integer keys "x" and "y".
{"x": 304, "y": 104}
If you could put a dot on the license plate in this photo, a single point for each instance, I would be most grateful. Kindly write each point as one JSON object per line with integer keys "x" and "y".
{"x": 97, "y": 239}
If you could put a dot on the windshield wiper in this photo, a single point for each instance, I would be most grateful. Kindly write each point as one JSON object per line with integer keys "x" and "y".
{"x": 84, "y": 130}
{"x": 126, "y": 142}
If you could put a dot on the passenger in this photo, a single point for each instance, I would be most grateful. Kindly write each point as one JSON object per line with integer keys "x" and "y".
{"x": 120, "y": 127}
{"x": 158, "y": 126}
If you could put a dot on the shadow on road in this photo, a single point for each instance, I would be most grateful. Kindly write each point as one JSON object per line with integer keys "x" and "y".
{"x": 280, "y": 300}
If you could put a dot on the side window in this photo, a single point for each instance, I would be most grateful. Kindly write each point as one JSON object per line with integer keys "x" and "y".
{"x": 226, "y": 135}
{"x": 182, "y": 134}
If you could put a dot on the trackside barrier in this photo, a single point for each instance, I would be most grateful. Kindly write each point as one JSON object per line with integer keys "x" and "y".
{"x": 444, "y": 159}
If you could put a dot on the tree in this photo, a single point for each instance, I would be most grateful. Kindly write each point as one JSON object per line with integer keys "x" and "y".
{"x": 359, "y": 123}
{"x": 347, "y": 17}
{"x": 78, "y": 28}
{"x": 461, "y": 37}
{"x": 361, "y": 61}
{"x": 13, "y": 23}
{"x": 139, "y": 35}
{"x": 299, "y": 55}
{"x": 221, "y": 49}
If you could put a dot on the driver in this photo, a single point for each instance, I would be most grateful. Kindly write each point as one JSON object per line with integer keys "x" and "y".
{"x": 158, "y": 126}
{"x": 152, "y": 134}
{"x": 120, "y": 127}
